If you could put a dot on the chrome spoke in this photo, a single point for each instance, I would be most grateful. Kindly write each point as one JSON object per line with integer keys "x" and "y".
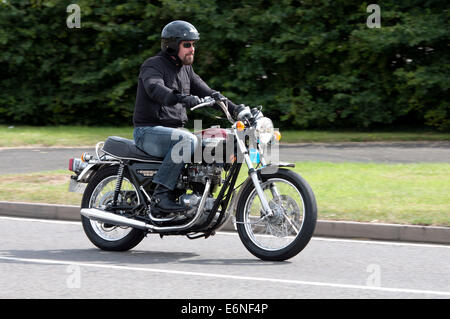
{"x": 103, "y": 196}
{"x": 280, "y": 230}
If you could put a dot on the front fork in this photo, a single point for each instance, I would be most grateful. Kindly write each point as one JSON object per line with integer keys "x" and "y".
{"x": 254, "y": 176}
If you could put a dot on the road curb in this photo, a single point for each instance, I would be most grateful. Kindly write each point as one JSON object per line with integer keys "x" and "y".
{"x": 325, "y": 228}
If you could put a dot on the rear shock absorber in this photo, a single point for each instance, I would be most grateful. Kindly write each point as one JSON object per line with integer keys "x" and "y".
{"x": 118, "y": 183}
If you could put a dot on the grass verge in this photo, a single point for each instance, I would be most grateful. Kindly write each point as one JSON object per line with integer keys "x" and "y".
{"x": 70, "y": 136}
{"x": 391, "y": 193}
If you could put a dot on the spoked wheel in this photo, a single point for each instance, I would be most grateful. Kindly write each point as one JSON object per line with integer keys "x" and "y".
{"x": 99, "y": 194}
{"x": 288, "y": 231}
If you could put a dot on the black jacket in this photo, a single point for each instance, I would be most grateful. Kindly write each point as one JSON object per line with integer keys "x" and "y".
{"x": 161, "y": 77}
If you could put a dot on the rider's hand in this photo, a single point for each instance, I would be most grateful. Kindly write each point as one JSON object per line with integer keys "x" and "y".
{"x": 189, "y": 100}
{"x": 217, "y": 96}
{"x": 242, "y": 112}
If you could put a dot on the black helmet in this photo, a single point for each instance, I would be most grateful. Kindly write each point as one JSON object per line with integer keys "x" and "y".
{"x": 175, "y": 32}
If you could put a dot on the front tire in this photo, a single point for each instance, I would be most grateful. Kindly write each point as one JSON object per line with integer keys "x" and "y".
{"x": 285, "y": 234}
{"x": 99, "y": 192}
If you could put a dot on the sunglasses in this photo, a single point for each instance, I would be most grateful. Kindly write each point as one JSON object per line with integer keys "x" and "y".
{"x": 188, "y": 45}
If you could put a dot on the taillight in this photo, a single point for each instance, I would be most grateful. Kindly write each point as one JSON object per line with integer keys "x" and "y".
{"x": 76, "y": 165}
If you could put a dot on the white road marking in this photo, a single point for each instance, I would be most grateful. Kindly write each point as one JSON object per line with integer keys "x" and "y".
{"x": 48, "y": 221}
{"x": 234, "y": 277}
{"x": 373, "y": 242}
{"x": 359, "y": 241}
{"x": 388, "y": 243}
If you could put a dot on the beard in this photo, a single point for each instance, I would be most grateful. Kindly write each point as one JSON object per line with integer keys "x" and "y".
{"x": 188, "y": 59}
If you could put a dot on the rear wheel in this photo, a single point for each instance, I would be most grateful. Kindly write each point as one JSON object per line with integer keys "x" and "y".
{"x": 98, "y": 194}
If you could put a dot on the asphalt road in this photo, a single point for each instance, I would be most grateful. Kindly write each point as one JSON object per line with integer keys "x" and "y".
{"x": 54, "y": 259}
{"x": 24, "y": 160}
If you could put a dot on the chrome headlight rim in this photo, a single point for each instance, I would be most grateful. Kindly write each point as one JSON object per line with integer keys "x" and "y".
{"x": 264, "y": 130}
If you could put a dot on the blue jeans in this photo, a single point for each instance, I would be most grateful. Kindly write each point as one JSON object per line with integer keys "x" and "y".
{"x": 174, "y": 145}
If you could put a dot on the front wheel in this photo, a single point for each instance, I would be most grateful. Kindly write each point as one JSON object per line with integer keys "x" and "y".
{"x": 288, "y": 231}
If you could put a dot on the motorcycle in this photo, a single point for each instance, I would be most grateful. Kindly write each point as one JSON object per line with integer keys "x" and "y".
{"x": 274, "y": 211}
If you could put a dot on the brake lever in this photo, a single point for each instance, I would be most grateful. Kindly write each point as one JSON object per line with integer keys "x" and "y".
{"x": 206, "y": 101}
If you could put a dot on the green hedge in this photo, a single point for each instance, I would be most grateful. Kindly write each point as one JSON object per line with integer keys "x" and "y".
{"x": 310, "y": 63}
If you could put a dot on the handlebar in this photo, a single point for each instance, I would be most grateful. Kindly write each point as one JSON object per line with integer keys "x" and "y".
{"x": 206, "y": 101}
{"x": 209, "y": 101}
{"x": 217, "y": 99}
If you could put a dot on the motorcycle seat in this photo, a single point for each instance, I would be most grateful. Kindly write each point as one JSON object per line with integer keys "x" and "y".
{"x": 126, "y": 149}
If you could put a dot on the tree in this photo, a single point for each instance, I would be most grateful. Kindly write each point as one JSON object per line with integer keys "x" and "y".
{"x": 309, "y": 63}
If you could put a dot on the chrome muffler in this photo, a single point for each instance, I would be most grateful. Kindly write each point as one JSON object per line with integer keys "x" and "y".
{"x": 111, "y": 218}
{"x": 114, "y": 219}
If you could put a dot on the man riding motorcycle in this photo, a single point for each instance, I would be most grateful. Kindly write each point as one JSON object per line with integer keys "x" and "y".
{"x": 167, "y": 85}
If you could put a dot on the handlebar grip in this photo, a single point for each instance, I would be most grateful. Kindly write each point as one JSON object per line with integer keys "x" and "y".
{"x": 216, "y": 96}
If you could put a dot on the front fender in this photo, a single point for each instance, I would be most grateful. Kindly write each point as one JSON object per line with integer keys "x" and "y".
{"x": 273, "y": 168}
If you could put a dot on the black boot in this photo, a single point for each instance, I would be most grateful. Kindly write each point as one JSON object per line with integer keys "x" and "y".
{"x": 164, "y": 199}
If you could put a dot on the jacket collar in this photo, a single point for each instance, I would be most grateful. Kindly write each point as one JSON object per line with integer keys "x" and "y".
{"x": 174, "y": 60}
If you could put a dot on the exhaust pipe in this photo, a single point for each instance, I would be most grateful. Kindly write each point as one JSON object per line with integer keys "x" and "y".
{"x": 111, "y": 218}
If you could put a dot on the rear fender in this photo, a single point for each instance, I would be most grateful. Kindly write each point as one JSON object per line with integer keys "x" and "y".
{"x": 88, "y": 172}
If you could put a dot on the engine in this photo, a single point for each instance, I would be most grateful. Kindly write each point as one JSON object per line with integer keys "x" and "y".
{"x": 199, "y": 173}
{"x": 192, "y": 200}
{"x": 194, "y": 178}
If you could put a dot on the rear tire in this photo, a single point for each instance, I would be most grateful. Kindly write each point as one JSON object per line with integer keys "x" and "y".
{"x": 105, "y": 236}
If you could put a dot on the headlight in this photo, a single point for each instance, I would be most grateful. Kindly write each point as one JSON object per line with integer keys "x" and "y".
{"x": 264, "y": 130}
